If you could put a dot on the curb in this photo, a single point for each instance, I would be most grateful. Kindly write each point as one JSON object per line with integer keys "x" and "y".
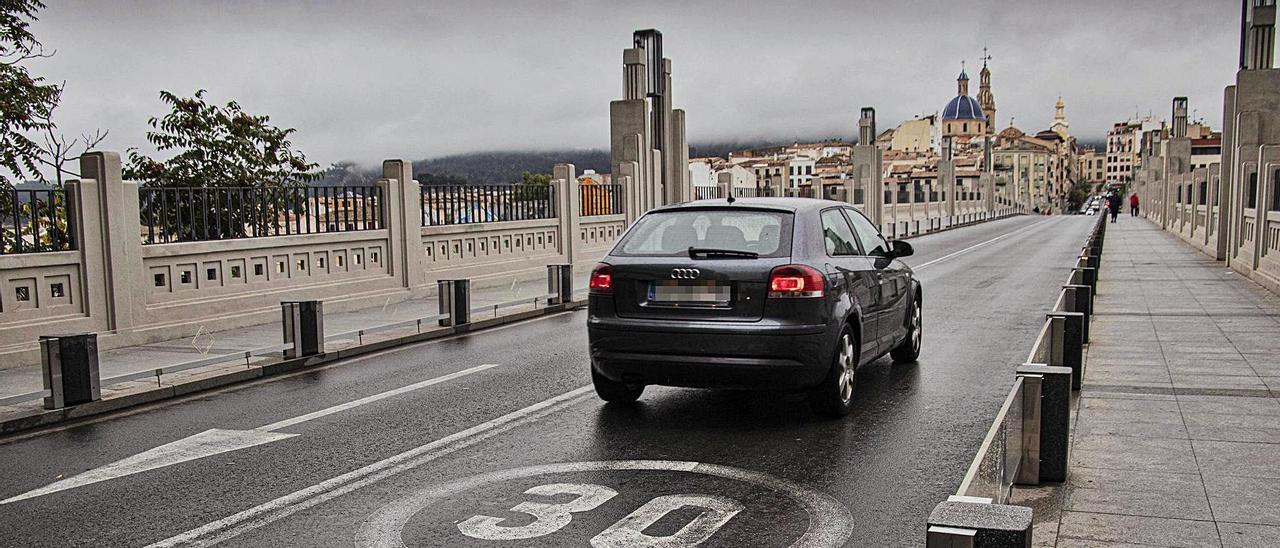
{"x": 104, "y": 406}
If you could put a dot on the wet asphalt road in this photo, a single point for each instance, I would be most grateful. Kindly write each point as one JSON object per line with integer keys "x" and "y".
{"x": 425, "y": 466}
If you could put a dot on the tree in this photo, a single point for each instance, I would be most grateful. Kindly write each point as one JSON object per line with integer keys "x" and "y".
{"x": 58, "y": 152}
{"x": 533, "y": 187}
{"x": 535, "y": 179}
{"x": 28, "y": 102}
{"x": 218, "y": 147}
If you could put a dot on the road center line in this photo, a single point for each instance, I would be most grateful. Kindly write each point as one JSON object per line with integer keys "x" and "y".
{"x": 370, "y": 399}
{"x": 976, "y": 246}
{"x": 272, "y": 511}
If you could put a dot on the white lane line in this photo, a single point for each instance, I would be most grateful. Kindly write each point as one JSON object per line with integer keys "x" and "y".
{"x": 265, "y": 380}
{"x": 217, "y": 441}
{"x": 976, "y": 246}
{"x": 370, "y": 399}
{"x": 269, "y": 512}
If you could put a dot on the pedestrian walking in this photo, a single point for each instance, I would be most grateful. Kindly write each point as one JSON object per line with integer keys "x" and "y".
{"x": 1133, "y": 205}
{"x": 1113, "y": 203}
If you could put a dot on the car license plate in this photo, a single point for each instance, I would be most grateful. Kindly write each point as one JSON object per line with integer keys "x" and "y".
{"x": 706, "y": 293}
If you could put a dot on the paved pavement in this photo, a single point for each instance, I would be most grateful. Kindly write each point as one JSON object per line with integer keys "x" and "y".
{"x": 339, "y": 329}
{"x": 495, "y": 435}
{"x": 1177, "y": 434}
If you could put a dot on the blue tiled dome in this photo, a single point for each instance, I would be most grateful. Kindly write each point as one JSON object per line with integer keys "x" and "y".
{"x": 963, "y": 107}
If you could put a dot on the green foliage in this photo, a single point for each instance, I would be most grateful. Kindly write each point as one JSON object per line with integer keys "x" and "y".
{"x": 218, "y": 147}
{"x": 527, "y": 178}
{"x": 26, "y": 101}
{"x": 1077, "y": 196}
{"x": 533, "y": 187}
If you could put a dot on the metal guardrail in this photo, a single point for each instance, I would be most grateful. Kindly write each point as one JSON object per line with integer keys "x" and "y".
{"x": 472, "y": 204}
{"x": 212, "y": 360}
{"x": 1011, "y": 451}
{"x": 35, "y": 221}
{"x": 360, "y": 333}
{"x": 517, "y": 302}
{"x": 19, "y": 398}
{"x": 600, "y": 199}
{"x": 706, "y": 192}
{"x": 172, "y": 214}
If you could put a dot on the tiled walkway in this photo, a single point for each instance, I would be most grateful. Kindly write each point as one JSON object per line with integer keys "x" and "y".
{"x": 1177, "y": 436}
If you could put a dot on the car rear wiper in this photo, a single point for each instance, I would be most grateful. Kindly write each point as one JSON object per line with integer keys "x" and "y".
{"x": 694, "y": 252}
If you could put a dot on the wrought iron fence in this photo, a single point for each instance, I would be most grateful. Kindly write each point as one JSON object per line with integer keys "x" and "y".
{"x": 706, "y": 192}
{"x": 34, "y": 221}
{"x": 600, "y": 199}
{"x": 191, "y": 214}
{"x": 472, "y": 204}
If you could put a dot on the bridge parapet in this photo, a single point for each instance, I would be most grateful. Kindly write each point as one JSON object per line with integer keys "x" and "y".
{"x": 159, "y": 265}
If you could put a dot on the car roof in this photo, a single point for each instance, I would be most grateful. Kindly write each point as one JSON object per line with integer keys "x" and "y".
{"x": 792, "y": 205}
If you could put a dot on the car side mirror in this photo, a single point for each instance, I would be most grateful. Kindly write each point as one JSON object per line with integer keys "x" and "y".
{"x": 899, "y": 249}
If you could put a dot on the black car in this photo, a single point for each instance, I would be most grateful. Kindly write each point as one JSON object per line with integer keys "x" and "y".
{"x": 764, "y": 293}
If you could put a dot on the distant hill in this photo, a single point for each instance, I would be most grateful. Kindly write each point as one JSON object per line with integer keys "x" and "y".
{"x": 506, "y": 166}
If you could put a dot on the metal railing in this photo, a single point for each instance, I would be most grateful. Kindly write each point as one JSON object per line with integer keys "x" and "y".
{"x": 193, "y": 214}
{"x": 1011, "y": 451}
{"x": 706, "y": 192}
{"x": 420, "y": 325}
{"x": 472, "y": 204}
{"x": 600, "y": 199}
{"x": 34, "y": 221}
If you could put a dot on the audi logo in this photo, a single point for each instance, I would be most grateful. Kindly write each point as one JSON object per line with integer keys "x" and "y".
{"x": 686, "y": 273}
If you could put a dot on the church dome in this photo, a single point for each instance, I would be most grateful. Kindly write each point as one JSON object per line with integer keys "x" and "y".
{"x": 963, "y": 107}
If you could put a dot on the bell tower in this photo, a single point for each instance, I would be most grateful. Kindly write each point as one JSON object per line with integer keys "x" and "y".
{"x": 985, "y": 99}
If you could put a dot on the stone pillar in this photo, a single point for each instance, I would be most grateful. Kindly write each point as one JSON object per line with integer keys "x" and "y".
{"x": 108, "y": 241}
{"x": 646, "y": 130}
{"x": 868, "y": 168}
{"x": 980, "y": 524}
{"x": 1053, "y": 427}
{"x": 724, "y": 184}
{"x": 1177, "y": 162}
{"x": 947, "y": 178}
{"x": 404, "y": 203}
{"x": 564, "y": 179}
{"x": 683, "y": 192}
{"x": 1258, "y": 43}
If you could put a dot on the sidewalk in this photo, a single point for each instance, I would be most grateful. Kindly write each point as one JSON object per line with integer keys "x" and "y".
{"x": 204, "y": 344}
{"x": 1176, "y": 439}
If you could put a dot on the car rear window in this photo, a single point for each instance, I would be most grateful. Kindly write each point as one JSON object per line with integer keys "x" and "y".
{"x": 672, "y": 233}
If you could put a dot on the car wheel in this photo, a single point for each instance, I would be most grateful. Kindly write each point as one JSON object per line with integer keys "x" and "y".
{"x": 613, "y": 391}
{"x": 909, "y": 350}
{"x": 834, "y": 397}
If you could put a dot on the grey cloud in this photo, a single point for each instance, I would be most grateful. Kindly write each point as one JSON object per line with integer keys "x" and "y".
{"x": 371, "y": 80}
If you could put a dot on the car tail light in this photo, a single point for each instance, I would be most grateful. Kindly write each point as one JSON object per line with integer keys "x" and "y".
{"x": 601, "y": 279}
{"x": 795, "y": 281}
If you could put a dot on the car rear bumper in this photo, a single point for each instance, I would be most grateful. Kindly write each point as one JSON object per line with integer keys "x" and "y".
{"x": 744, "y": 356}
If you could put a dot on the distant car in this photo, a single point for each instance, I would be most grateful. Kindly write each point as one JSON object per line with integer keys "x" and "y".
{"x": 763, "y": 293}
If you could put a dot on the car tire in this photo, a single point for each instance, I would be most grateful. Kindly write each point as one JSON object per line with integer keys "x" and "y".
{"x": 909, "y": 350}
{"x": 834, "y": 397}
{"x": 613, "y": 391}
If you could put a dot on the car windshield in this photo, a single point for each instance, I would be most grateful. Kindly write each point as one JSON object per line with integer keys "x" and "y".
{"x": 672, "y": 233}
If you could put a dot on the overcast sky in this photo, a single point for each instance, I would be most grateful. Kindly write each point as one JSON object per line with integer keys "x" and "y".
{"x": 370, "y": 80}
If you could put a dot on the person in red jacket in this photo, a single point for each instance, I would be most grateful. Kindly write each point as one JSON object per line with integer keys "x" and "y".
{"x": 1133, "y": 204}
